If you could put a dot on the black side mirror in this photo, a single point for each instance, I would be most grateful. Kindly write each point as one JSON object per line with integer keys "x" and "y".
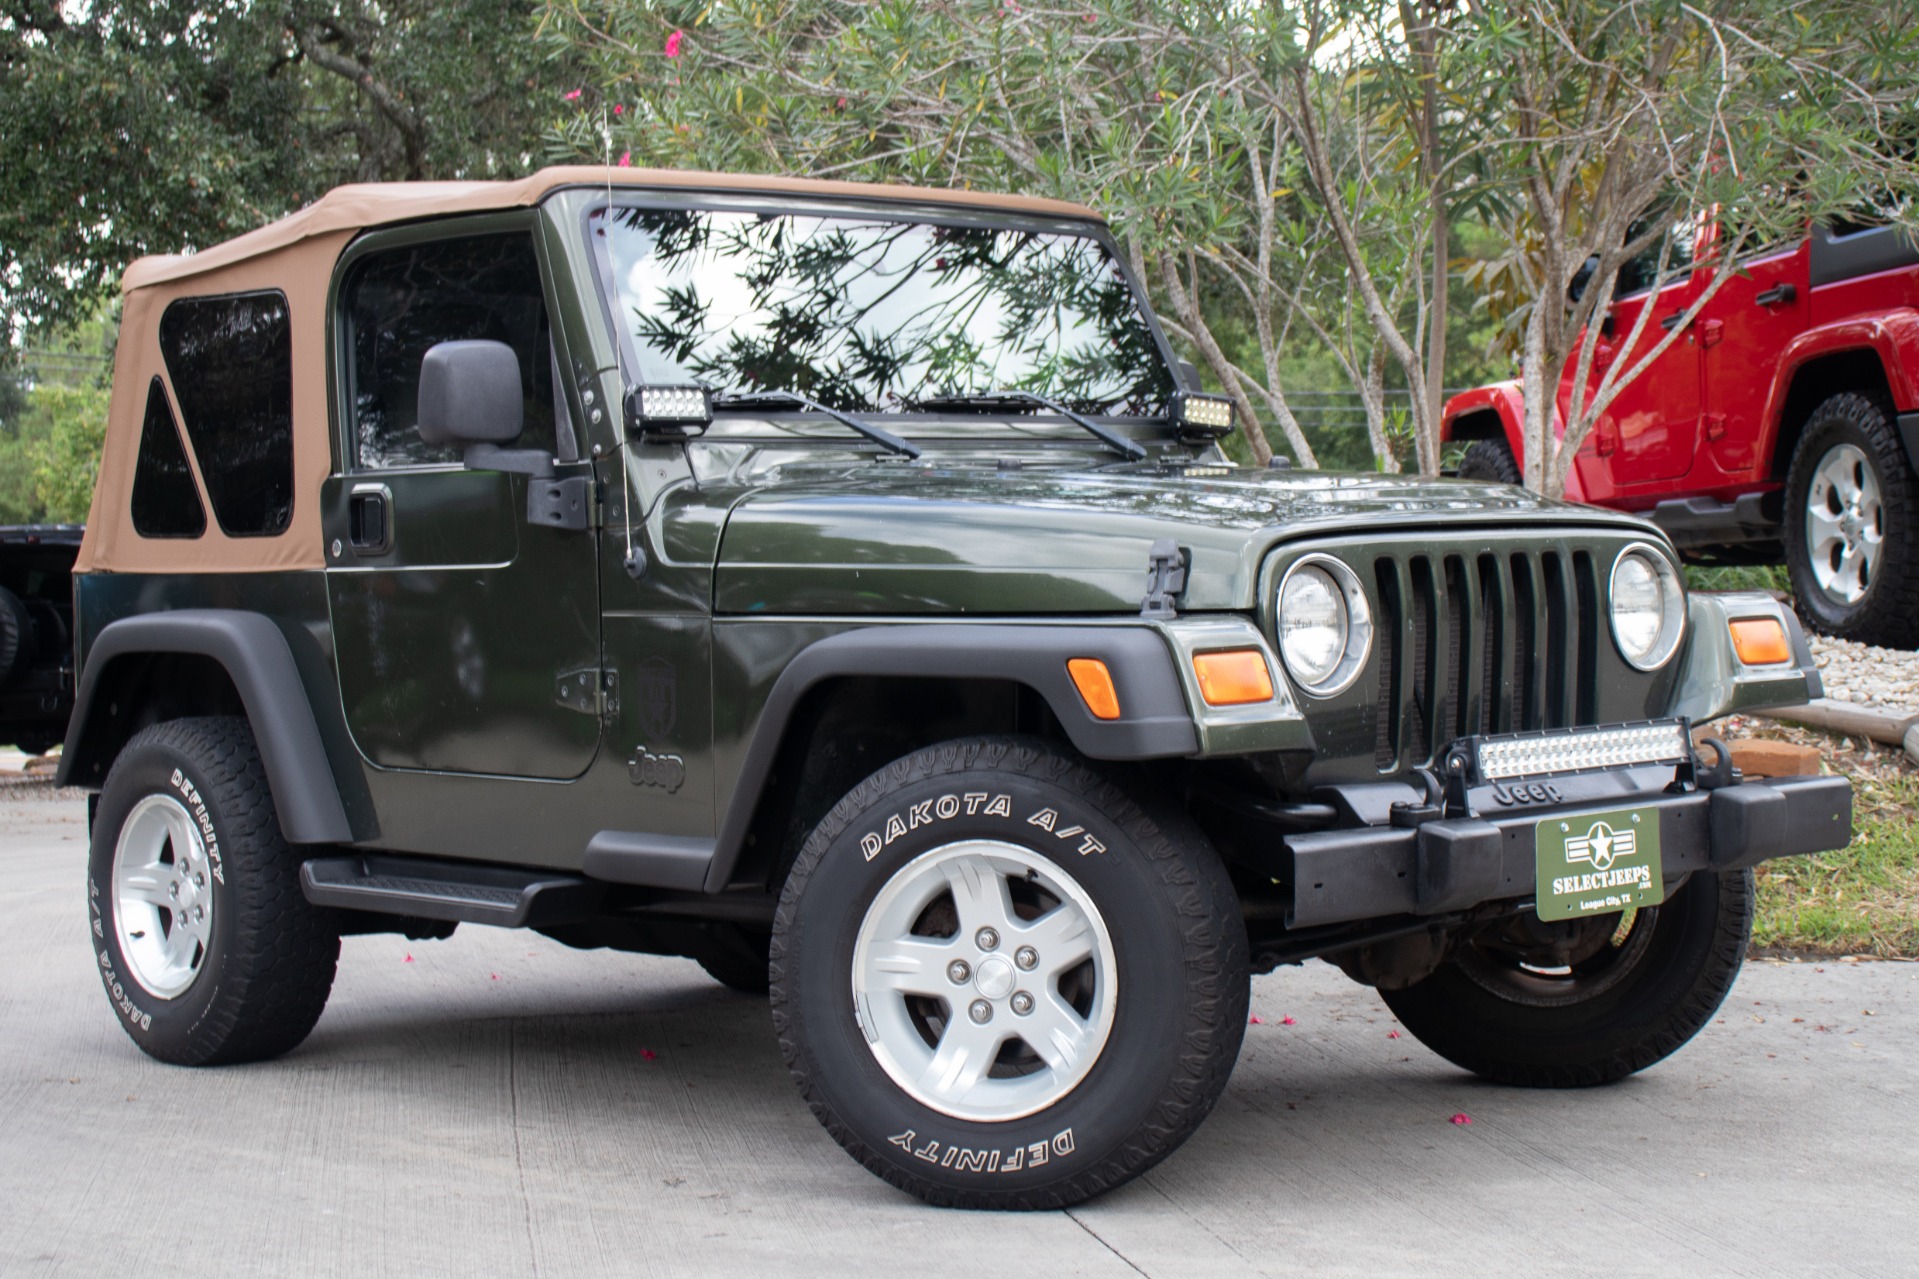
{"x": 1582, "y": 278}
{"x": 1189, "y": 375}
{"x": 470, "y": 395}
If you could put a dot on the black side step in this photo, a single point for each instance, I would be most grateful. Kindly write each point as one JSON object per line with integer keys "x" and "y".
{"x": 464, "y": 891}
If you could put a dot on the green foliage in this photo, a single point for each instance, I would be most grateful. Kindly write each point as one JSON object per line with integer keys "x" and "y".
{"x": 1738, "y": 577}
{"x": 50, "y": 454}
{"x": 164, "y": 127}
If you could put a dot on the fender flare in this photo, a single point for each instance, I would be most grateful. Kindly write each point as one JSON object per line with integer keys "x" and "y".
{"x": 256, "y": 656}
{"x": 1893, "y": 339}
{"x": 1154, "y": 723}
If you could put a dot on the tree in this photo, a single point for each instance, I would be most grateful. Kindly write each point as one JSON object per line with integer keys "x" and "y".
{"x": 1617, "y": 121}
{"x": 166, "y": 126}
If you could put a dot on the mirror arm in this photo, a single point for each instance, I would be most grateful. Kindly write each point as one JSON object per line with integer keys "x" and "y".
{"x": 491, "y": 457}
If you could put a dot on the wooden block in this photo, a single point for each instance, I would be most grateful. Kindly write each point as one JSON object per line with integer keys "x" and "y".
{"x": 1758, "y": 757}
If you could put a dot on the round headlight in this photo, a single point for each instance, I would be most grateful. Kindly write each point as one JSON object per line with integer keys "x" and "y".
{"x": 1325, "y": 626}
{"x": 1648, "y": 607}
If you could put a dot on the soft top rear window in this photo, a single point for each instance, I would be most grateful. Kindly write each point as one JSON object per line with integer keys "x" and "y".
{"x": 230, "y": 360}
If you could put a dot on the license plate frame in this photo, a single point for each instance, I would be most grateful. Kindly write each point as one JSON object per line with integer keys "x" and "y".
{"x": 1597, "y": 863}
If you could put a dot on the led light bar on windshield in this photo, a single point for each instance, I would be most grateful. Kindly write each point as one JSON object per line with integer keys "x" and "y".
{"x": 673, "y": 411}
{"x": 1202, "y": 417}
{"x": 1576, "y": 750}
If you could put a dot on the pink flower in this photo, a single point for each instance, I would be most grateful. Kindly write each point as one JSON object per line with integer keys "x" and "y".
{"x": 1254, "y": 1020}
{"x": 647, "y": 1054}
{"x": 673, "y": 44}
{"x": 407, "y": 960}
{"x": 1392, "y": 1034}
{"x": 1461, "y": 1119}
{"x": 619, "y": 108}
{"x": 575, "y": 95}
{"x": 840, "y": 105}
{"x": 496, "y": 976}
{"x": 1287, "y": 1021}
{"x": 626, "y": 159}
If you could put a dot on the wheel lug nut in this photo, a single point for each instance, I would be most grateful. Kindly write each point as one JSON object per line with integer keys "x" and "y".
{"x": 987, "y": 938}
{"x": 173, "y": 889}
{"x": 980, "y": 1011}
{"x": 1026, "y": 957}
{"x": 199, "y": 881}
{"x": 199, "y": 913}
{"x": 1022, "y": 1002}
{"x": 958, "y": 971}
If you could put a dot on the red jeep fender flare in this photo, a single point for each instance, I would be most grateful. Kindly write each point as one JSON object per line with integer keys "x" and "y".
{"x": 1892, "y": 337}
{"x": 1503, "y": 400}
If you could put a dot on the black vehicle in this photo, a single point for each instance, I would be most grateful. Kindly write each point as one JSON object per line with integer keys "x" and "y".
{"x": 36, "y": 633}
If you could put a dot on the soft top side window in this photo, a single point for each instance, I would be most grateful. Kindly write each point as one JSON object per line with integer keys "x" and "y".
{"x": 231, "y": 362}
{"x": 165, "y": 502}
{"x": 399, "y": 302}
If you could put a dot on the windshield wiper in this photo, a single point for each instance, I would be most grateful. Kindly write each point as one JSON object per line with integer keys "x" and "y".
{"x": 1129, "y": 449}
{"x": 762, "y": 399}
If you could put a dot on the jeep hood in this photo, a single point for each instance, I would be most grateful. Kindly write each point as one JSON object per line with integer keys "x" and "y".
{"x": 889, "y": 539}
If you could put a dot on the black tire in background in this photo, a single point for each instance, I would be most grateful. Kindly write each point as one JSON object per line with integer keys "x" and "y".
{"x": 738, "y": 961}
{"x": 17, "y": 637}
{"x": 1490, "y": 460}
{"x": 1649, "y": 989}
{"x": 1883, "y": 613}
{"x": 1178, "y": 993}
{"x": 266, "y": 965}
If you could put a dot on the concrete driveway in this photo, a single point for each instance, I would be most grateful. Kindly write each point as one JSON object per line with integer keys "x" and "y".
{"x": 499, "y": 1105}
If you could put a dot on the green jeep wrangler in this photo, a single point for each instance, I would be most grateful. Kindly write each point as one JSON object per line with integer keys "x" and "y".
{"x": 842, "y": 586}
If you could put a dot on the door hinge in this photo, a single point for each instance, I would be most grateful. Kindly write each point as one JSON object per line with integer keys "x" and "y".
{"x": 590, "y": 692}
{"x": 563, "y": 504}
{"x": 1710, "y": 331}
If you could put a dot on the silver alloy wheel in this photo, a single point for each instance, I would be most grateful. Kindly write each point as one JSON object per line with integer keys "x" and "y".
{"x": 1844, "y": 523}
{"x": 978, "y": 1023}
{"x": 162, "y": 899}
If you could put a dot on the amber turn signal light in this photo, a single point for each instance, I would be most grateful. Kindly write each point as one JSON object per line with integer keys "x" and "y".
{"x": 1761, "y": 641}
{"x": 1233, "y": 678}
{"x": 1095, "y": 685}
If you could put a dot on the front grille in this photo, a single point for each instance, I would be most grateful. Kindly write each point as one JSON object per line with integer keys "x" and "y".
{"x": 1482, "y": 642}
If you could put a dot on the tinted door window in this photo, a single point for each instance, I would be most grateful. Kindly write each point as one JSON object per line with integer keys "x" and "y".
{"x": 231, "y": 361}
{"x": 401, "y": 302}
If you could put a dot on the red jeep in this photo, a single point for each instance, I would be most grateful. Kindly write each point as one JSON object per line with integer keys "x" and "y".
{"x": 1784, "y": 425}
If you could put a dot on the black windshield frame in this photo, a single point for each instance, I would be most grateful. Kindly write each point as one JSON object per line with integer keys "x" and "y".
{"x": 894, "y": 211}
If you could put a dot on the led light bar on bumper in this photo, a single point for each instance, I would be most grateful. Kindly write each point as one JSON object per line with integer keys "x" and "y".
{"x": 1571, "y": 750}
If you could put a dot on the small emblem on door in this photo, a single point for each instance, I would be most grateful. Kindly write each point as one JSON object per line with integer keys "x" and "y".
{"x": 648, "y": 769}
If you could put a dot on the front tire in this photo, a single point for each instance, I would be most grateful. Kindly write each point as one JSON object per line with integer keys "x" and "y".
{"x": 1584, "y": 1002}
{"x": 1852, "y": 528}
{"x": 209, "y": 951}
{"x": 949, "y": 995}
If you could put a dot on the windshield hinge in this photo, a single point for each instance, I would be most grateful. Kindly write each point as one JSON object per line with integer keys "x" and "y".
{"x": 1165, "y": 578}
{"x": 590, "y": 692}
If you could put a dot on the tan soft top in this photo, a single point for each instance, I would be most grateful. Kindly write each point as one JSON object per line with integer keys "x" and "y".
{"x": 295, "y": 256}
{"x": 370, "y": 204}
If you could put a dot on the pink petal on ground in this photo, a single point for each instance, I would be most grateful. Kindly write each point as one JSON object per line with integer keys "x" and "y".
{"x": 407, "y": 960}
{"x": 496, "y": 976}
{"x": 1254, "y": 1020}
{"x": 574, "y": 96}
{"x": 619, "y": 108}
{"x": 1392, "y": 1034}
{"x": 647, "y": 1054}
{"x": 1287, "y": 1021}
{"x": 1461, "y": 1119}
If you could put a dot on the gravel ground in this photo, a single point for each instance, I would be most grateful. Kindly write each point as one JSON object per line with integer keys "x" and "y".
{"x": 1868, "y": 676}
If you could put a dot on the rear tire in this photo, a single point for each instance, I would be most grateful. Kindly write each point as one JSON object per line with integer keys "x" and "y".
{"x": 738, "y": 962}
{"x": 949, "y": 997}
{"x": 1852, "y": 525}
{"x": 1513, "y": 1017}
{"x": 1490, "y": 460}
{"x": 209, "y": 951}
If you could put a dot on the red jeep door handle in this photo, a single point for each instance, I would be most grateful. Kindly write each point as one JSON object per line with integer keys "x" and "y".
{"x": 1777, "y": 295}
{"x": 1671, "y": 320}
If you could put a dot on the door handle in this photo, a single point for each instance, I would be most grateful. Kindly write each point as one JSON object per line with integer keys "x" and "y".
{"x": 1670, "y": 321}
{"x": 370, "y": 519}
{"x": 1777, "y": 295}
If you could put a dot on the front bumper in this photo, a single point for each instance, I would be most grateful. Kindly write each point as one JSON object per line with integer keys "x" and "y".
{"x": 1370, "y": 868}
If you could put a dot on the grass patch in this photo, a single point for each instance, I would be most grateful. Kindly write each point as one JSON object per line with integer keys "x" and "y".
{"x": 1738, "y": 577}
{"x": 1864, "y": 898}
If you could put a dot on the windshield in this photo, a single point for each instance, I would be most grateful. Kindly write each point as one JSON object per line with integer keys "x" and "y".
{"x": 867, "y": 314}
